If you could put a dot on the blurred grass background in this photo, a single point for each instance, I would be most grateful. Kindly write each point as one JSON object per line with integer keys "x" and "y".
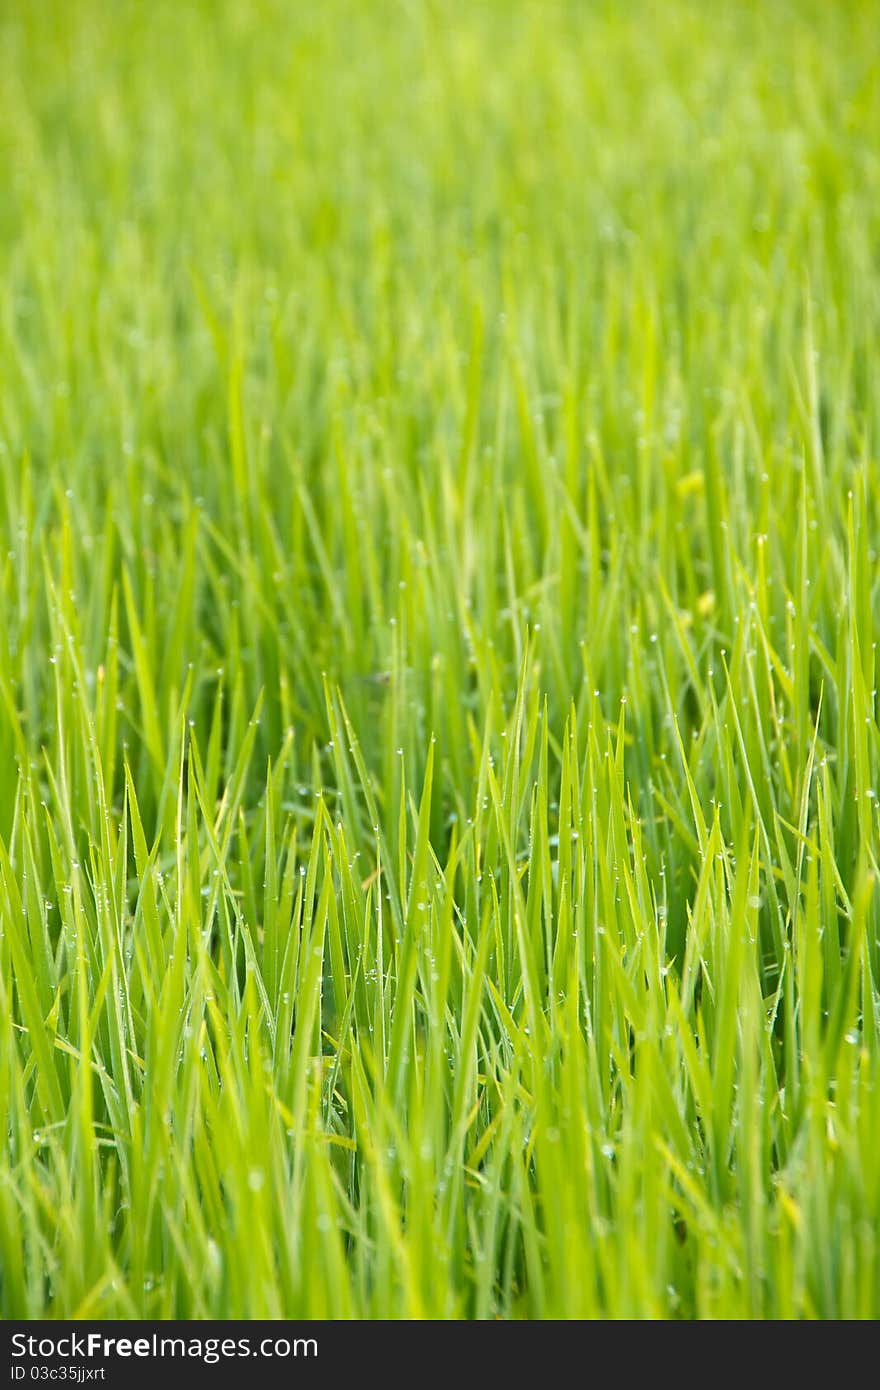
{"x": 500, "y": 379}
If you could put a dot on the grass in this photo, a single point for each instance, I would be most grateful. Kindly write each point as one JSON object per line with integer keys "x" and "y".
{"x": 439, "y": 491}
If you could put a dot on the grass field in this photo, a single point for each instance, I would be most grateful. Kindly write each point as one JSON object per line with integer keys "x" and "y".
{"x": 439, "y": 754}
